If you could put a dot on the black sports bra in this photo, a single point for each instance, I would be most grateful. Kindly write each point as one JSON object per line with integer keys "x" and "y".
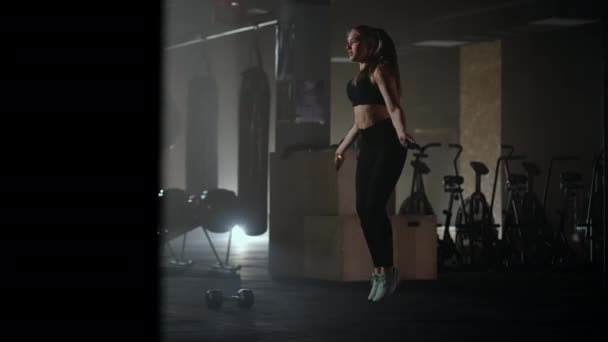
{"x": 364, "y": 92}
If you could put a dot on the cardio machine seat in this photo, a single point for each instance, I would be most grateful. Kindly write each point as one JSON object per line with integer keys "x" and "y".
{"x": 420, "y": 155}
{"x": 453, "y": 180}
{"x": 570, "y": 177}
{"x": 571, "y": 186}
{"x": 479, "y": 168}
{"x": 531, "y": 168}
{"x": 517, "y": 179}
{"x": 420, "y": 167}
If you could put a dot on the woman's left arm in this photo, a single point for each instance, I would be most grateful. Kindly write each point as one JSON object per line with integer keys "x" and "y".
{"x": 387, "y": 84}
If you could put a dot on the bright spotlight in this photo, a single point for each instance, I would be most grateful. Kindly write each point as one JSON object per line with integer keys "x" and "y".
{"x": 239, "y": 238}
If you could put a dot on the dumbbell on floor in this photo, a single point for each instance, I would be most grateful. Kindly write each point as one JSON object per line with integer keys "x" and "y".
{"x": 244, "y": 298}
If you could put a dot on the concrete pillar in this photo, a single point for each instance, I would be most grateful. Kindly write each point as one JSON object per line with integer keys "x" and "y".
{"x": 481, "y": 115}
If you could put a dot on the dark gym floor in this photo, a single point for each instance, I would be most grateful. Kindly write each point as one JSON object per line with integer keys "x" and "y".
{"x": 512, "y": 306}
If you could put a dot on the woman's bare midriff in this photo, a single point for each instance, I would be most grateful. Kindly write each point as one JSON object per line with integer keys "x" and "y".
{"x": 367, "y": 115}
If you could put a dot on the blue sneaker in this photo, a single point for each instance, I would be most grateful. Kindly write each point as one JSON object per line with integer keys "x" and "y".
{"x": 374, "y": 280}
{"x": 387, "y": 284}
{"x": 381, "y": 288}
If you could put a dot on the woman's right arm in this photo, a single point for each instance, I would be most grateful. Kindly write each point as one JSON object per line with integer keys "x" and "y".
{"x": 348, "y": 140}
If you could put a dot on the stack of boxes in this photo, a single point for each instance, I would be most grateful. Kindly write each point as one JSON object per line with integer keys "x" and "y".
{"x": 314, "y": 229}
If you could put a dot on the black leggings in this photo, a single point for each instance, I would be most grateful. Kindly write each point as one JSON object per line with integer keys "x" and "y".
{"x": 380, "y": 162}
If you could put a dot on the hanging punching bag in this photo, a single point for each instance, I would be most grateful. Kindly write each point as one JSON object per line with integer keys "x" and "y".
{"x": 201, "y": 135}
{"x": 254, "y": 116}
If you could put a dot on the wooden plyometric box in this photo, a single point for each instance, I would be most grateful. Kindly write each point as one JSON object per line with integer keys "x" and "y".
{"x": 416, "y": 250}
{"x": 333, "y": 248}
{"x": 285, "y": 248}
{"x": 307, "y": 183}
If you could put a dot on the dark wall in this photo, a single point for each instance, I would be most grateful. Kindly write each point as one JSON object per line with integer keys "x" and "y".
{"x": 552, "y": 85}
{"x": 430, "y": 98}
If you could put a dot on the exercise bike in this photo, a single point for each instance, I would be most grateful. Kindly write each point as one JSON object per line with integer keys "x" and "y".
{"x": 476, "y": 233}
{"x": 417, "y": 203}
{"x": 561, "y": 252}
{"x": 447, "y": 253}
{"x": 594, "y": 220}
